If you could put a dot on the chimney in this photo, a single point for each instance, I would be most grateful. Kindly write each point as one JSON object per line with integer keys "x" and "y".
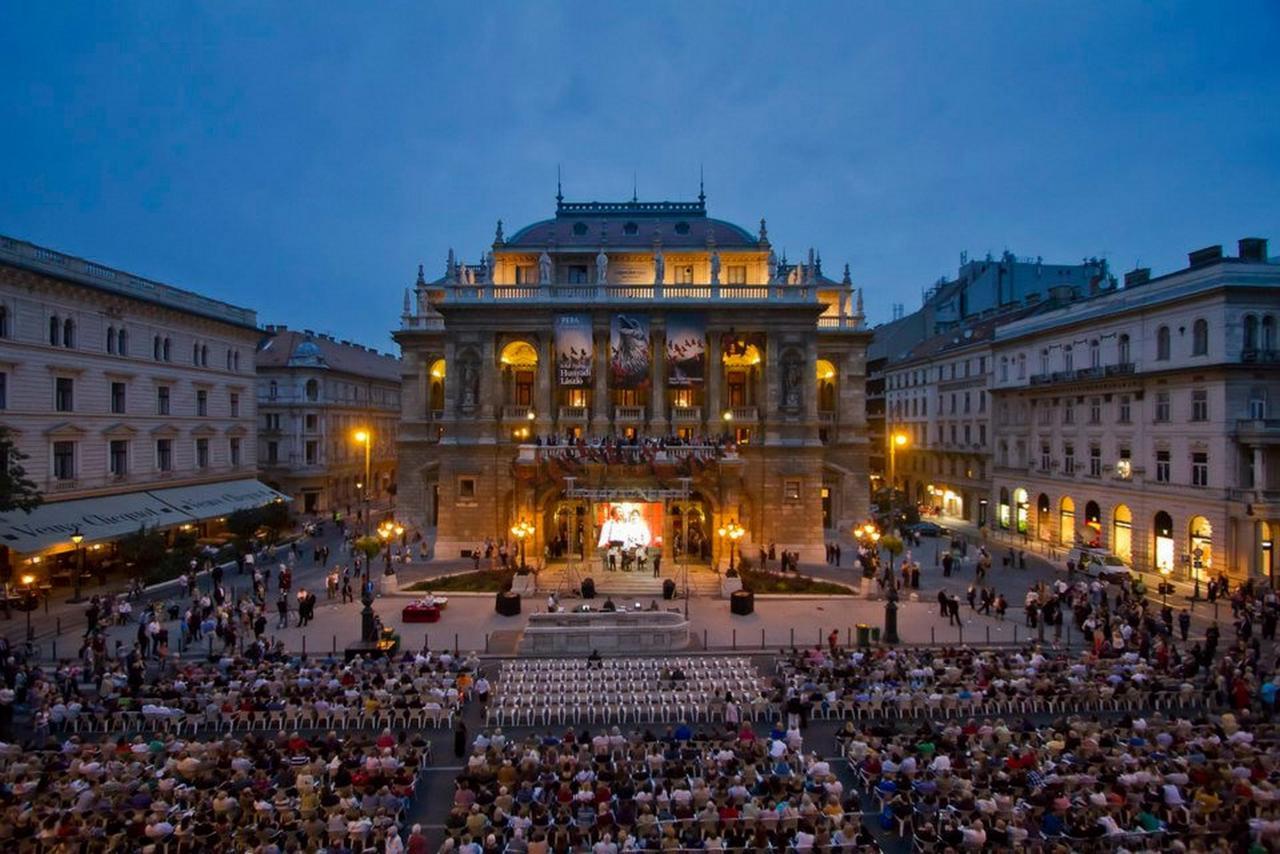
{"x": 1253, "y": 249}
{"x": 1204, "y": 256}
{"x": 1140, "y": 276}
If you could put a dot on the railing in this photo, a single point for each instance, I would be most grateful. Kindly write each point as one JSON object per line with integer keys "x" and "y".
{"x": 573, "y": 413}
{"x": 686, "y": 414}
{"x": 744, "y": 413}
{"x": 628, "y": 413}
{"x": 568, "y": 292}
{"x": 1256, "y": 496}
{"x": 1083, "y": 374}
{"x": 840, "y": 322}
{"x": 1258, "y": 426}
{"x": 118, "y": 281}
{"x": 516, "y": 412}
{"x": 432, "y": 323}
{"x": 625, "y": 453}
{"x": 1254, "y": 355}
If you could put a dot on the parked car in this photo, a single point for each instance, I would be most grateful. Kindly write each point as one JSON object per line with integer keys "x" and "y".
{"x": 1101, "y": 564}
{"x": 928, "y": 529}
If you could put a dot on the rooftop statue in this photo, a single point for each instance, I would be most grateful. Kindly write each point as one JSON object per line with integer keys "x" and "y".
{"x": 715, "y": 267}
{"x": 544, "y": 268}
{"x": 773, "y": 267}
{"x": 659, "y": 265}
{"x": 602, "y": 268}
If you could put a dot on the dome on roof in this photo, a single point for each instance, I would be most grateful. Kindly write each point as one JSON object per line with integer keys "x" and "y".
{"x": 306, "y": 353}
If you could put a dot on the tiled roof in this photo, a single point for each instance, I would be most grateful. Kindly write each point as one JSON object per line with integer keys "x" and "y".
{"x": 282, "y": 348}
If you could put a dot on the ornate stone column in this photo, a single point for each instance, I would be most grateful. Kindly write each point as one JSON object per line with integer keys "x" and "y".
{"x": 658, "y": 382}
{"x": 715, "y": 369}
{"x": 600, "y": 402}
{"x": 490, "y": 403}
{"x": 542, "y": 395}
{"x": 450, "y": 384}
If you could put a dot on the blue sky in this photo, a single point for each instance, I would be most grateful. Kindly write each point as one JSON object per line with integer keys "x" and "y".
{"x": 303, "y": 159}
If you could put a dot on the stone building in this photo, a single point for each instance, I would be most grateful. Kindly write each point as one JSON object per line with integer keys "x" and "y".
{"x": 1143, "y": 420}
{"x": 726, "y": 383}
{"x": 132, "y": 400}
{"x": 314, "y": 394}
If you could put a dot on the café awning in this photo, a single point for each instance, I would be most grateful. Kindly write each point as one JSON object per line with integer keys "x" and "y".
{"x": 213, "y": 500}
{"x": 105, "y": 518}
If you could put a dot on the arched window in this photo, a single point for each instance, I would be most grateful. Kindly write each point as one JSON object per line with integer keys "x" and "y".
{"x": 155, "y": 348}
{"x": 1124, "y": 349}
{"x": 111, "y": 339}
{"x": 1200, "y": 338}
{"x": 1250, "y": 332}
{"x": 1162, "y": 344}
{"x": 313, "y": 390}
{"x": 55, "y": 327}
{"x": 122, "y": 342}
{"x": 68, "y": 333}
{"x": 168, "y": 355}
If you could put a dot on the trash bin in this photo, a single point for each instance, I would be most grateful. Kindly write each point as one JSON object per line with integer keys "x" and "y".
{"x": 588, "y": 588}
{"x": 742, "y": 602}
{"x": 668, "y": 589}
{"x": 875, "y": 634}
{"x": 507, "y": 604}
{"x": 864, "y": 634}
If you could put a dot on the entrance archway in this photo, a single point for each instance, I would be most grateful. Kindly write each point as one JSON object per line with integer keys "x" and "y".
{"x": 1042, "y": 517}
{"x": 1200, "y": 546}
{"x": 435, "y": 396}
{"x": 1122, "y": 533}
{"x": 1162, "y": 534}
{"x": 1093, "y": 525}
{"x": 1021, "y": 508}
{"x": 1002, "y": 508}
{"x": 1066, "y": 521}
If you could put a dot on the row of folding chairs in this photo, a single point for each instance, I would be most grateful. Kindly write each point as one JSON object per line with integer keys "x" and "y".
{"x": 191, "y": 723}
{"x": 520, "y": 711}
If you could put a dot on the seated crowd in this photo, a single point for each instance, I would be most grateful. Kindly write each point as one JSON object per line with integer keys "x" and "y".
{"x": 718, "y": 788}
{"x": 1208, "y": 784}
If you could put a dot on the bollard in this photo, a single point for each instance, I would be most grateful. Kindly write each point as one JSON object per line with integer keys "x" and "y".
{"x": 819, "y": 636}
{"x": 704, "y": 639}
{"x": 793, "y": 637}
{"x": 335, "y": 644}
{"x": 762, "y": 638}
{"x": 211, "y": 645}
{"x": 960, "y": 634}
{"x": 456, "y": 651}
{"x": 59, "y": 626}
{"x": 304, "y": 646}
{"x": 486, "y": 642}
{"x": 735, "y": 638}
{"x": 55, "y": 650}
{"x": 1015, "y": 632}
{"x": 988, "y": 634}
{"x": 932, "y": 635}
{"x": 848, "y": 636}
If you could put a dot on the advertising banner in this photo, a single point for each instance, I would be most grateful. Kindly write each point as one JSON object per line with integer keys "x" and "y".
{"x": 629, "y": 355}
{"x": 574, "y": 350}
{"x": 686, "y": 350}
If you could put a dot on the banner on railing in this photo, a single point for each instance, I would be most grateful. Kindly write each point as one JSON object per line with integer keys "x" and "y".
{"x": 574, "y": 350}
{"x": 686, "y": 349}
{"x": 629, "y": 354}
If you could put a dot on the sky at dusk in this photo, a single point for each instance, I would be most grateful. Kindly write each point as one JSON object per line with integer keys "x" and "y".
{"x": 303, "y": 159}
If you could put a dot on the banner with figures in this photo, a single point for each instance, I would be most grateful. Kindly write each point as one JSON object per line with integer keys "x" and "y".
{"x": 686, "y": 349}
{"x": 574, "y": 349}
{"x": 630, "y": 358}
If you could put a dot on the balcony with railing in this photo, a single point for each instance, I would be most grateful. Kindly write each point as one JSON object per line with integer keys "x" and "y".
{"x": 1083, "y": 374}
{"x": 628, "y": 413}
{"x": 744, "y": 414}
{"x": 626, "y": 454}
{"x": 573, "y": 413}
{"x": 686, "y": 414}
{"x": 516, "y": 413}
{"x": 1261, "y": 430}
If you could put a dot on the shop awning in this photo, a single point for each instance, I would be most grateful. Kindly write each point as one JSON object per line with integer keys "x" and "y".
{"x": 105, "y": 518}
{"x": 212, "y": 500}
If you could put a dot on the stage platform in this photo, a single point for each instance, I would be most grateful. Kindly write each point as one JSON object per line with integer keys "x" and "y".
{"x": 561, "y": 575}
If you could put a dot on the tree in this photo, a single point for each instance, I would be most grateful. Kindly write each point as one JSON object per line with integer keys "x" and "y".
{"x": 244, "y": 523}
{"x": 275, "y": 518}
{"x": 370, "y": 547}
{"x": 893, "y": 545}
{"x": 17, "y": 491}
{"x": 142, "y": 550}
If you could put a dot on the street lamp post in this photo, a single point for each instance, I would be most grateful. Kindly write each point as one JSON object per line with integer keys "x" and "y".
{"x": 896, "y": 440}
{"x": 365, "y": 437}
{"x": 522, "y": 531}
{"x": 77, "y": 538}
{"x": 29, "y": 581}
{"x": 732, "y": 532}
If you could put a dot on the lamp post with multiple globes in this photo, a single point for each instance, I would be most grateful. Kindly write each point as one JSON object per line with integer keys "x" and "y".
{"x": 732, "y": 532}
{"x": 365, "y": 437}
{"x": 77, "y": 538}
{"x": 522, "y": 531}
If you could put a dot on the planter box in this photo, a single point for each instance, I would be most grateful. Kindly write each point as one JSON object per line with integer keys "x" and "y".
{"x": 523, "y": 585}
{"x": 729, "y": 586}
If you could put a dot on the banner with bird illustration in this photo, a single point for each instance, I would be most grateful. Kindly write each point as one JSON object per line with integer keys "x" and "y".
{"x": 574, "y": 350}
{"x": 629, "y": 358}
{"x": 686, "y": 349}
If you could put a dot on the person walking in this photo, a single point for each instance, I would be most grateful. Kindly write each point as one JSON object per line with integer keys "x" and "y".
{"x": 1184, "y": 624}
{"x": 282, "y": 606}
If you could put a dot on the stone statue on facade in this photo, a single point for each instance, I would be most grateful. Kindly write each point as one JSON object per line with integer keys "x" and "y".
{"x": 715, "y": 267}
{"x": 544, "y": 268}
{"x": 490, "y": 269}
{"x": 602, "y": 268}
{"x": 792, "y": 379}
{"x": 470, "y": 384}
{"x": 659, "y": 266}
{"x": 773, "y": 267}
